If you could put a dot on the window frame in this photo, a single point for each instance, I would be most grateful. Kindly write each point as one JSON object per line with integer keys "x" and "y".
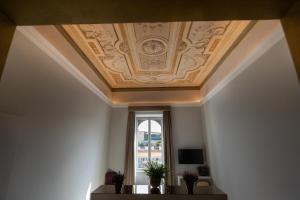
{"x": 143, "y": 117}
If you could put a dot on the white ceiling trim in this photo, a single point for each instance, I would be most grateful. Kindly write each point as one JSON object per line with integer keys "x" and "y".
{"x": 34, "y": 36}
{"x": 262, "y": 48}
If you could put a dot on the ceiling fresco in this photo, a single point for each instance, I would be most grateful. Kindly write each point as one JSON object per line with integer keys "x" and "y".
{"x": 173, "y": 54}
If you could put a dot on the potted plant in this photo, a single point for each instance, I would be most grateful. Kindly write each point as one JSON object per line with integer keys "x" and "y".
{"x": 118, "y": 181}
{"x": 156, "y": 172}
{"x": 190, "y": 180}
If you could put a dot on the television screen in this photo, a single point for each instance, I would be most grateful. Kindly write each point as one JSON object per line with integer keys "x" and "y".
{"x": 190, "y": 156}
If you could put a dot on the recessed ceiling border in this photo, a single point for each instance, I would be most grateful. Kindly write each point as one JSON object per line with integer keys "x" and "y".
{"x": 228, "y": 52}
{"x": 82, "y": 54}
{"x": 141, "y": 89}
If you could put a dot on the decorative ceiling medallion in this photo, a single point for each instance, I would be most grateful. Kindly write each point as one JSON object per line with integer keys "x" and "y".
{"x": 153, "y": 47}
{"x": 175, "y": 54}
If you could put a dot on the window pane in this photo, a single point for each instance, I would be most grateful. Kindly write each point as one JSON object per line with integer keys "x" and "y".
{"x": 148, "y": 145}
{"x": 156, "y": 141}
{"x": 142, "y": 143}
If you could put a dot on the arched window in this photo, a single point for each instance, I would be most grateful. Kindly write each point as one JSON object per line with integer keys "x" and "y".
{"x": 148, "y": 143}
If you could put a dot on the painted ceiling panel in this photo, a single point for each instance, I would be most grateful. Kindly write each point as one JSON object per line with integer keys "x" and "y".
{"x": 173, "y": 54}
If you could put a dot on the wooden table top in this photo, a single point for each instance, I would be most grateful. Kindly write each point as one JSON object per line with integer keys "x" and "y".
{"x": 140, "y": 192}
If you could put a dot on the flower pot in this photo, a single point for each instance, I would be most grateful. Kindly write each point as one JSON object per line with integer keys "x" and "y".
{"x": 127, "y": 189}
{"x": 190, "y": 187}
{"x": 118, "y": 187}
{"x": 155, "y": 183}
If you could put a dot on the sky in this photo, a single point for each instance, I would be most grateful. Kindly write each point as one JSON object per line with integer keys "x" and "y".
{"x": 155, "y": 127}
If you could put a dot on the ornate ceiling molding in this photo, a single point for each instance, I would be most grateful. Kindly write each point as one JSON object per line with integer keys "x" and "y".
{"x": 156, "y": 55}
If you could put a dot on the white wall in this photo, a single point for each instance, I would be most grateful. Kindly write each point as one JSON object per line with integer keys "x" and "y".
{"x": 253, "y": 130}
{"x": 187, "y": 133}
{"x": 59, "y": 148}
{"x": 9, "y": 131}
{"x": 117, "y": 139}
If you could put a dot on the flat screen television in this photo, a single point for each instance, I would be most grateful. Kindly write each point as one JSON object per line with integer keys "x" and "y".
{"x": 190, "y": 156}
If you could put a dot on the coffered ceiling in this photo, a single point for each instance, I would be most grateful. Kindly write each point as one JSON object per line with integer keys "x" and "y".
{"x": 156, "y": 55}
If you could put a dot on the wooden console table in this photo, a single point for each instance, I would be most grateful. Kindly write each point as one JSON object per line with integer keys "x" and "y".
{"x": 141, "y": 192}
